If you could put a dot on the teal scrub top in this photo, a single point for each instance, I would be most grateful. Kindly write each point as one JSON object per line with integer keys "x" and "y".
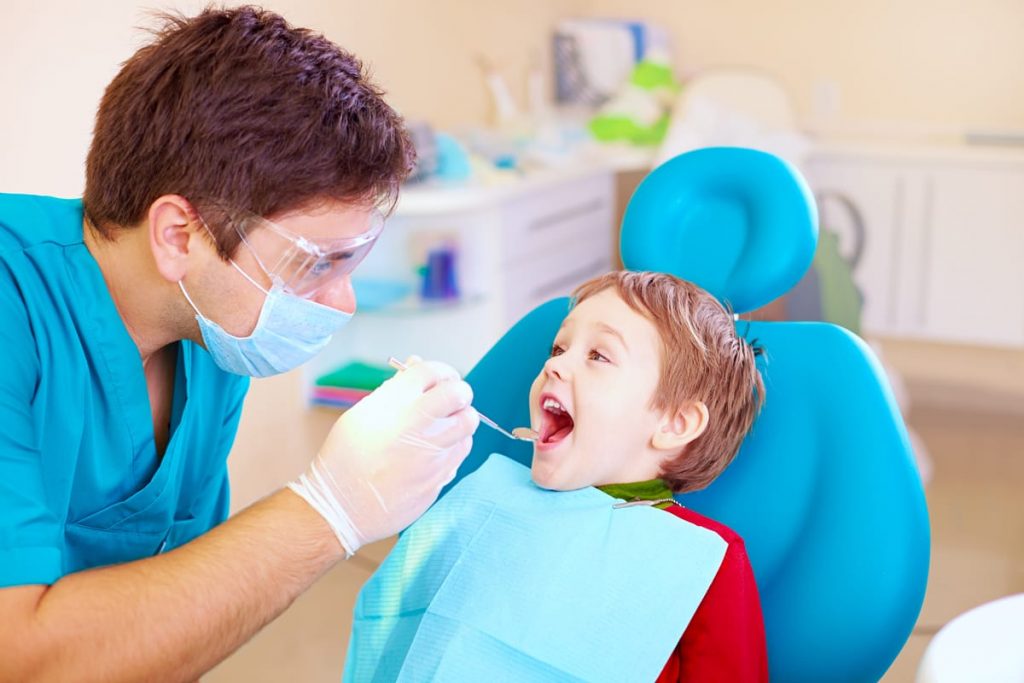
{"x": 81, "y": 484}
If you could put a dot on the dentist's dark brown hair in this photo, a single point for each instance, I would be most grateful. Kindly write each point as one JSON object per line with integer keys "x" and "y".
{"x": 235, "y": 105}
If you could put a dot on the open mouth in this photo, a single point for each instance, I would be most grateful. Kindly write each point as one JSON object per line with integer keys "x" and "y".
{"x": 556, "y": 422}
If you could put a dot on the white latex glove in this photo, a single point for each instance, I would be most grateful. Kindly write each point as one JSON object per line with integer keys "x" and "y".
{"x": 387, "y": 458}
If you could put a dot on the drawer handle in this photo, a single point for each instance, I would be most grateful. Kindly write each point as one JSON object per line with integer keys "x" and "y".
{"x": 898, "y": 219}
{"x": 926, "y": 249}
{"x": 570, "y": 278}
{"x": 556, "y": 217}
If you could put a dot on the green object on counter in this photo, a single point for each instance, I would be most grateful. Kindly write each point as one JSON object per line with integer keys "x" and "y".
{"x": 650, "y": 75}
{"x": 356, "y": 375}
{"x": 639, "y": 114}
{"x": 609, "y": 128}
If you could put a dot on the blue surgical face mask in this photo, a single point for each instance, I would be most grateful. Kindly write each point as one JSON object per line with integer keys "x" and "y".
{"x": 289, "y": 332}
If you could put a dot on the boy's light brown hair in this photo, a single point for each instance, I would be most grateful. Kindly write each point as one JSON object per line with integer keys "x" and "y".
{"x": 235, "y": 108}
{"x": 703, "y": 359}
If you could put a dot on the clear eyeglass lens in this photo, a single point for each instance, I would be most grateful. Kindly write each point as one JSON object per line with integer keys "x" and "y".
{"x": 300, "y": 265}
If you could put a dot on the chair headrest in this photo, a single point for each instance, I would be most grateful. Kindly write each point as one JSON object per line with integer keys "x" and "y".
{"x": 740, "y": 223}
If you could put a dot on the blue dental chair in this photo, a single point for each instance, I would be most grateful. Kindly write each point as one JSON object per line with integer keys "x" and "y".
{"x": 824, "y": 490}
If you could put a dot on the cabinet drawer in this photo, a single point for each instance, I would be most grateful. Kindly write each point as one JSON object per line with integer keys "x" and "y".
{"x": 554, "y": 273}
{"x": 551, "y": 217}
{"x": 974, "y": 246}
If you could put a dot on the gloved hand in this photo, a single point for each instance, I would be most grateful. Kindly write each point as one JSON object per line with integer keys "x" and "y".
{"x": 387, "y": 458}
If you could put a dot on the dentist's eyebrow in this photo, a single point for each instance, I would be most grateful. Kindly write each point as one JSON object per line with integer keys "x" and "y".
{"x": 605, "y": 327}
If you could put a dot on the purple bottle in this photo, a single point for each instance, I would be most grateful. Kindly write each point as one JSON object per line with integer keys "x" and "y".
{"x": 439, "y": 282}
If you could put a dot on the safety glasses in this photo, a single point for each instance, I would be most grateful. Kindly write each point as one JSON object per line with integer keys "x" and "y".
{"x": 302, "y": 266}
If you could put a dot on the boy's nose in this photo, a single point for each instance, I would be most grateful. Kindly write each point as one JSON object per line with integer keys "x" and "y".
{"x": 555, "y": 367}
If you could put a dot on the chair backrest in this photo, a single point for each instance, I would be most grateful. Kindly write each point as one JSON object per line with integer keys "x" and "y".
{"x": 824, "y": 490}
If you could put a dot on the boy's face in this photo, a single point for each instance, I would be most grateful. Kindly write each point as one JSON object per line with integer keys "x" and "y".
{"x": 591, "y": 401}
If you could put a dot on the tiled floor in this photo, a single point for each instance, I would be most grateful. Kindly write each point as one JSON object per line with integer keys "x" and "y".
{"x": 976, "y": 500}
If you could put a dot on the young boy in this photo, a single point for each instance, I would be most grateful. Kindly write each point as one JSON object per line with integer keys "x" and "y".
{"x": 648, "y": 391}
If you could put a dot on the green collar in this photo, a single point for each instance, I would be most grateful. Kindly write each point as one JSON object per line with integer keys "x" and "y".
{"x": 655, "y": 489}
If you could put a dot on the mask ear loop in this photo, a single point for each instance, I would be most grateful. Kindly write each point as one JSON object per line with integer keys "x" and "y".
{"x": 247, "y": 277}
{"x": 252, "y": 250}
{"x": 243, "y": 234}
{"x": 181, "y": 286}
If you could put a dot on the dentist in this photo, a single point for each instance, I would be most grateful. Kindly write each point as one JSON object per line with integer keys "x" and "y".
{"x": 233, "y": 184}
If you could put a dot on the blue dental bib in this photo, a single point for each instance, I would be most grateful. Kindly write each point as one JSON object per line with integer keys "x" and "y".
{"x": 504, "y": 581}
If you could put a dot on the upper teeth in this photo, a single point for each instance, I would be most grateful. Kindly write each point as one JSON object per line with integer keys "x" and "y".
{"x": 552, "y": 404}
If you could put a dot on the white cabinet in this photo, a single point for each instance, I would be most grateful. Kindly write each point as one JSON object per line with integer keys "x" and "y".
{"x": 554, "y": 239}
{"x": 974, "y": 256}
{"x": 518, "y": 245}
{"x": 944, "y": 239}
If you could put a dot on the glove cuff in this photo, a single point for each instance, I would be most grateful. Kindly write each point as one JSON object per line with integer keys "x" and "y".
{"x": 314, "y": 489}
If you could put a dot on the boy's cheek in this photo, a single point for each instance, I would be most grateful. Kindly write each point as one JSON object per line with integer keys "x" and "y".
{"x": 534, "y": 393}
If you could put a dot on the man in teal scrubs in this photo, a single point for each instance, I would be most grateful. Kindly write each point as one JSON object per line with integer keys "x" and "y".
{"x": 232, "y": 185}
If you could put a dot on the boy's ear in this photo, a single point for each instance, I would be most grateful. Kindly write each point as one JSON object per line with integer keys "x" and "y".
{"x": 681, "y": 427}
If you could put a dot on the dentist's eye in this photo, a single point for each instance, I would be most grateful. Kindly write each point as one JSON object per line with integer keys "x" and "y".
{"x": 594, "y": 355}
{"x": 321, "y": 268}
{"x": 324, "y": 266}
{"x": 556, "y": 350}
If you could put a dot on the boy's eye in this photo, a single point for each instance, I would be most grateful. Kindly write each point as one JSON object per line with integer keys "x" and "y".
{"x": 594, "y": 355}
{"x": 556, "y": 350}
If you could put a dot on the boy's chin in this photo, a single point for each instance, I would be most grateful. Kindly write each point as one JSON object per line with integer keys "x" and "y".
{"x": 551, "y": 481}
{"x": 543, "y": 480}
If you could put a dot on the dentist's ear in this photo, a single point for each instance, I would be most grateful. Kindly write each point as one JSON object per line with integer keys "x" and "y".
{"x": 172, "y": 235}
{"x": 681, "y": 427}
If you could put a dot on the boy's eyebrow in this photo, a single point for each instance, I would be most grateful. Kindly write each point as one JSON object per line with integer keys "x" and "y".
{"x": 611, "y": 330}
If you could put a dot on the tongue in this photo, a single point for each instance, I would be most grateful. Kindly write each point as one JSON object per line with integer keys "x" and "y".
{"x": 560, "y": 434}
{"x": 560, "y": 427}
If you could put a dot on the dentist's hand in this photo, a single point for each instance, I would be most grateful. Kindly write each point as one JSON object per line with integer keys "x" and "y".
{"x": 387, "y": 458}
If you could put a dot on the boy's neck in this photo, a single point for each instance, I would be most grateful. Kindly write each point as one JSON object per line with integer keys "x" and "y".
{"x": 653, "y": 489}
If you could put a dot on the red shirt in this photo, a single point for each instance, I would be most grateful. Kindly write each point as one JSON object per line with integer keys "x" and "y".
{"x": 725, "y": 639}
